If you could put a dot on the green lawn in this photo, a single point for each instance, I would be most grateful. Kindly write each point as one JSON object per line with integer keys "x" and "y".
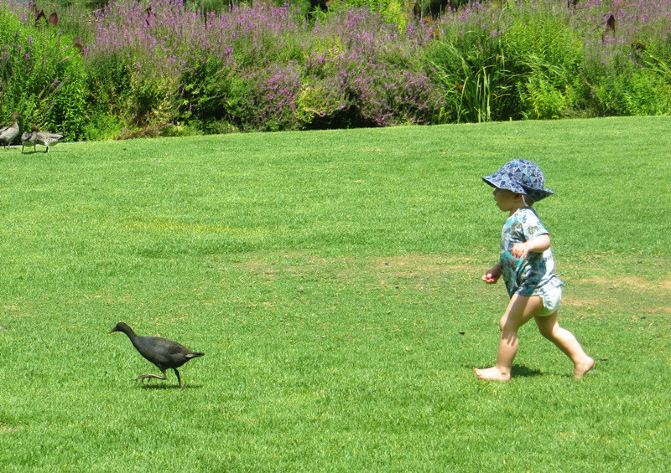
{"x": 332, "y": 279}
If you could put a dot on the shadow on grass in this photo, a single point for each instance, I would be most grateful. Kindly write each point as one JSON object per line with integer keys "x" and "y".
{"x": 518, "y": 370}
{"x": 170, "y": 386}
{"x": 523, "y": 371}
{"x": 34, "y": 152}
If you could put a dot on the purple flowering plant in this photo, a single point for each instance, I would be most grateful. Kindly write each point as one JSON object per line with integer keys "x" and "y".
{"x": 259, "y": 66}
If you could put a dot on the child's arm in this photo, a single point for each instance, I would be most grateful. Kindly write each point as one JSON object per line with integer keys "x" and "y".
{"x": 493, "y": 274}
{"x": 537, "y": 245}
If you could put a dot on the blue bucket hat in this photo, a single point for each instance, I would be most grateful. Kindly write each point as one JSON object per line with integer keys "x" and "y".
{"x": 521, "y": 177}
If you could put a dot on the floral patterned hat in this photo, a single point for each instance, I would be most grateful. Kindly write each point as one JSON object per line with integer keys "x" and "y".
{"x": 521, "y": 177}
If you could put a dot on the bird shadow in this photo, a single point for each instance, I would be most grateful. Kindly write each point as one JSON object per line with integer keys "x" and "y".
{"x": 161, "y": 387}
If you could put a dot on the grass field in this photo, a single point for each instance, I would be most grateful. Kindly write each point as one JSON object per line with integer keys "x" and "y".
{"x": 332, "y": 279}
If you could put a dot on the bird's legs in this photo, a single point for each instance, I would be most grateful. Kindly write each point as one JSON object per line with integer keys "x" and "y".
{"x": 142, "y": 377}
{"x": 179, "y": 378}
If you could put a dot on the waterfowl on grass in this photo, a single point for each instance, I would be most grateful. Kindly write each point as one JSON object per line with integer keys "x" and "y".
{"x": 27, "y": 137}
{"x": 165, "y": 354}
{"x": 43, "y": 138}
{"x": 9, "y": 132}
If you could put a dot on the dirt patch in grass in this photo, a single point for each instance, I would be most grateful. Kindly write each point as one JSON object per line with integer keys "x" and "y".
{"x": 629, "y": 293}
{"x": 630, "y": 283}
{"x": 581, "y": 302}
{"x": 404, "y": 266}
{"x": 272, "y": 264}
{"x": 422, "y": 273}
{"x": 423, "y": 264}
{"x": 666, "y": 310}
{"x": 8, "y": 429}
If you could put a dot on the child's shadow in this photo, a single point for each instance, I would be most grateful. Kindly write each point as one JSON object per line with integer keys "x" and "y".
{"x": 521, "y": 370}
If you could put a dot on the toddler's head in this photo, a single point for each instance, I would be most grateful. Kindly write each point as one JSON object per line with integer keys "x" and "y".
{"x": 520, "y": 177}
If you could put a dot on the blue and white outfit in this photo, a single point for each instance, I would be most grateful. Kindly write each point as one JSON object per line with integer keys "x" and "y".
{"x": 534, "y": 275}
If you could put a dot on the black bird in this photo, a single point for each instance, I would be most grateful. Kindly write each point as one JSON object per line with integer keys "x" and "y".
{"x": 164, "y": 353}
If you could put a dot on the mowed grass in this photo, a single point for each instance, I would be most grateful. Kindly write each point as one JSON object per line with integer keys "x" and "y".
{"x": 332, "y": 279}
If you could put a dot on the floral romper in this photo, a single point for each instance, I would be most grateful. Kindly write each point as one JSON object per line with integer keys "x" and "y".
{"x": 533, "y": 276}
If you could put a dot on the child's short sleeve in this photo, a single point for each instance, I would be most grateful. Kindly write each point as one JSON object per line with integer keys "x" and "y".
{"x": 532, "y": 226}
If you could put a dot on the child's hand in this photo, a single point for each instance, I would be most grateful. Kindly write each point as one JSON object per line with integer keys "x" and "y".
{"x": 492, "y": 275}
{"x": 538, "y": 245}
{"x": 520, "y": 250}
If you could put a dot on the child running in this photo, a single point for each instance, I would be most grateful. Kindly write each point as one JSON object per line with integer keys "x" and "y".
{"x": 527, "y": 266}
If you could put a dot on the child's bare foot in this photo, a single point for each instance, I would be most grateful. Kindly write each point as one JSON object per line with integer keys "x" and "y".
{"x": 583, "y": 367}
{"x": 492, "y": 374}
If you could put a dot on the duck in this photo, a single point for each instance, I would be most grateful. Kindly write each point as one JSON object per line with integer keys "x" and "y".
{"x": 27, "y": 137}
{"x": 43, "y": 138}
{"x": 165, "y": 354}
{"x": 9, "y": 132}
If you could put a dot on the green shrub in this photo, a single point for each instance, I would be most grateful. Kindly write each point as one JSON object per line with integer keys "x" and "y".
{"x": 636, "y": 92}
{"x": 213, "y": 95}
{"x": 472, "y": 72}
{"x": 519, "y": 60}
{"x": 321, "y": 105}
{"x": 398, "y": 12}
{"x": 541, "y": 98}
{"x": 142, "y": 99}
{"x": 153, "y": 101}
{"x": 109, "y": 83}
{"x": 42, "y": 77}
{"x": 542, "y": 56}
{"x": 634, "y": 80}
{"x": 103, "y": 126}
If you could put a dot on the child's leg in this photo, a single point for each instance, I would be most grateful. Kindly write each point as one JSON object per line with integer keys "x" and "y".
{"x": 520, "y": 310}
{"x": 566, "y": 341}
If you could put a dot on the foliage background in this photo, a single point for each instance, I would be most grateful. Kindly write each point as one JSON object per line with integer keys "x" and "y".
{"x": 164, "y": 67}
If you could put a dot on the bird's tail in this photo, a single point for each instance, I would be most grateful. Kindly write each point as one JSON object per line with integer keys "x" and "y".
{"x": 195, "y": 354}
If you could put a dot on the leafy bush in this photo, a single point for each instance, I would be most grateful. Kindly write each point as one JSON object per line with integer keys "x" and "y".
{"x": 375, "y": 73}
{"x": 166, "y": 67}
{"x": 543, "y": 55}
{"x": 471, "y": 72}
{"x": 627, "y": 57}
{"x": 632, "y": 91}
{"x": 109, "y": 82}
{"x": 517, "y": 61}
{"x": 42, "y": 77}
{"x": 322, "y": 105}
{"x": 274, "y": 97}
{"x": 259, "y": 68}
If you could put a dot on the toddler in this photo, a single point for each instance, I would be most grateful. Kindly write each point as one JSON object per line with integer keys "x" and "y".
{"x": 527, "y": 266}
